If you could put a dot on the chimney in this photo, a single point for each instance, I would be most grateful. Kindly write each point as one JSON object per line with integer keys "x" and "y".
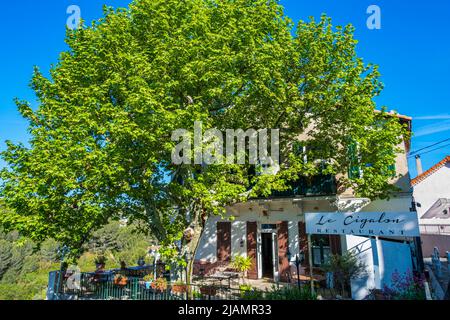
{"x": 419, "y": 165}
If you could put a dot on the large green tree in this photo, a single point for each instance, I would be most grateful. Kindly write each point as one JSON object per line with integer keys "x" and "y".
{"x": 101, "y": 143}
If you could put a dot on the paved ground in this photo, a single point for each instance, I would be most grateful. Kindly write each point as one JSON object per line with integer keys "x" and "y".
{"x": 262, "y": 284}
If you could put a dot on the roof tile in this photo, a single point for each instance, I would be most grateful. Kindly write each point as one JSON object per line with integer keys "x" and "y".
{"x": 430, "y": 171}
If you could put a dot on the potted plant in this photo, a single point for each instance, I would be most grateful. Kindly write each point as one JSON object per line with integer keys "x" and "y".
{"x": 196, "y": 295}
{"x": 148, "y": 279}
{"x": 100, "y": 262}
{"x": 242, "y": 265}
{"x": 179, "y": 287}
{"x": 159, "y": 284}
{"x": 120, "y": 280}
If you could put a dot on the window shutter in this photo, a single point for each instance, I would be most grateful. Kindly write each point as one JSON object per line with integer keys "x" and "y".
{"x": 303, "y": 242}
{"x": 223, "y": 241}
{"x": 354, "y": 170}
{"x": 251, "y": 249}
{"x": 283, "y": 245}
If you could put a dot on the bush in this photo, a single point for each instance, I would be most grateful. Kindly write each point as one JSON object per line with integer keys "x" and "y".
{"x": 101, "y": 260}
{"x": 345, "y": 267}
{"x": 148, "y": 278}
{"x": 242, "y": 264}
{"x": 247, "y": 292}
{"x": 405, "y": 286}
{"x": 290, "y": 293}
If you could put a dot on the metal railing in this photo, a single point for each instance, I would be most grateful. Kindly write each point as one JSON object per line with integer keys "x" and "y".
{"x": 435, "y": 229}
{"x": 106, "y": 285}
{"x": 94, "y": 287}
{"x": 321, "y": 185}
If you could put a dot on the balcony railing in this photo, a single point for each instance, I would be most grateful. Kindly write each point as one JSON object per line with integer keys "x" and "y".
{"x": 435, "y": 229}
{"x": 92, "y": 286}
{"x": 324, "y": 185}
{"x": 103, "y": 286}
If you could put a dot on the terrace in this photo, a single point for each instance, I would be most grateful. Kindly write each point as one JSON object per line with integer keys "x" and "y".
{"x": 134, "y": 284}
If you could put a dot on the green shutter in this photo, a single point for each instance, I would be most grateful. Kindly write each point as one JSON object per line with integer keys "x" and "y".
{"x": 353, "y": 172}
{"x": 391, "y": 168}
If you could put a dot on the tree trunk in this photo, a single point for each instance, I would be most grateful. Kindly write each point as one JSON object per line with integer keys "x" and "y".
{"x": 193, "y": 247}
{"x": 343, "y": 290}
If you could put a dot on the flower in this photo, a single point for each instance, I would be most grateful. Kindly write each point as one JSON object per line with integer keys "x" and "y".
{"x": 406, "y": 286}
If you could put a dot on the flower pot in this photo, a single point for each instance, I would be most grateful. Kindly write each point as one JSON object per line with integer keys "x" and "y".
{"x": 121, "y": 282}
{"x": 148, "y": 285}
{"x": 179, "y": 288}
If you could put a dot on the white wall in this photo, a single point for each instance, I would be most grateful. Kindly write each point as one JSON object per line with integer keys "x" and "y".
{"x": 239, "y": 238}
{"x": 428, "y": 191}
{"x": 208, "y": 242}
{"x": 382, "y": 258}
{"x": 400, "y": 203}
{"x": 396, "y": 257}
{"x": 363, "y": 247}
{"x": 283, "y": 210}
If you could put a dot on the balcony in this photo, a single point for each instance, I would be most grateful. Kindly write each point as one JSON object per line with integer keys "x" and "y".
{"x": 321, "y": 185}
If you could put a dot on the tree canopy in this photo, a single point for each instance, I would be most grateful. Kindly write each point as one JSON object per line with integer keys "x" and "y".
{"x": 101, "y": 145}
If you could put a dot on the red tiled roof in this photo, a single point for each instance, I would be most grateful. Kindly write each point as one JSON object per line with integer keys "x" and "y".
{"x": 430, "y": 171}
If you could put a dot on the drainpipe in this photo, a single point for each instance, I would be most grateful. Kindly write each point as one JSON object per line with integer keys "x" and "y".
{"x": 419, "y": 165}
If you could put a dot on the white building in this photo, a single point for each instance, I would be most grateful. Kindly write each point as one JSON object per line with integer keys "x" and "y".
{"x": 271, "y": 229}
{"x": 432, "y": 197}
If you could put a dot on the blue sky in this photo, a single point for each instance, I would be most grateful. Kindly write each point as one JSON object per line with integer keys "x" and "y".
{"x": 412, "y": 49}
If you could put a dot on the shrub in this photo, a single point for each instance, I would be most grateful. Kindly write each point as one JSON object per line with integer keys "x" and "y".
{"x": 345, "y": 267}
{"x": 405, "y": 286}
{"x": 241, "y": 264}
{"x": 247, "y": 292}
{"x": 197, "y": 294}
{"x": 148, "y": 278}
{"x": 100, "y": 260}
{"x": 290, "y": 293}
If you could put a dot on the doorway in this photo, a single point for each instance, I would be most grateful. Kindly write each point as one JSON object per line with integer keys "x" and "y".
{"x": 267, "y": 255}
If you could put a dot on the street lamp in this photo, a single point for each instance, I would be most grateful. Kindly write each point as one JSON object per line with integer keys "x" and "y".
{"x": 156, "y": 256}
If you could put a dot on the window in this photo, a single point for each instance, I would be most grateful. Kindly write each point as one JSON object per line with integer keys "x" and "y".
{"x": 269, "y": 227}
{"x": 321, "y": 250}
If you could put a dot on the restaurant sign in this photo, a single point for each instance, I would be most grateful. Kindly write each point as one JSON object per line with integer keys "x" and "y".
{"x": 403, "y": 224}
